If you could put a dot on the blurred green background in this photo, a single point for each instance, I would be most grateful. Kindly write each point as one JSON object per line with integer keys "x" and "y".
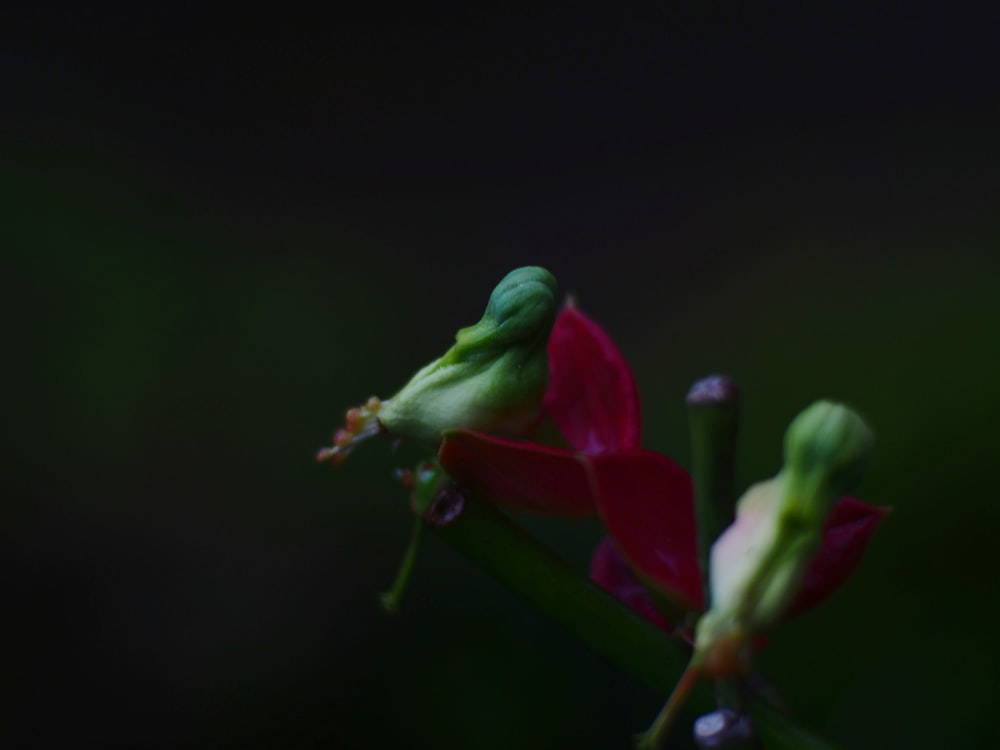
{"x": 220, "y": 229}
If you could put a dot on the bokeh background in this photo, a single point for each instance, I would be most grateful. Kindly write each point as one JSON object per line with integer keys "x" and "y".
{"x": 222, "y": 226}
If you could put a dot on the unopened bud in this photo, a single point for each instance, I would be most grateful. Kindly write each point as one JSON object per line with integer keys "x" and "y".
{"x": 827, "y": 450}
{"x": 758, "y": 563}
{"x": 494, "y": 378}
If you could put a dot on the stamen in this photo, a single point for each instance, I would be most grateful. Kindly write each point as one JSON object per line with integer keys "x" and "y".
{"x": 360, "y": 423}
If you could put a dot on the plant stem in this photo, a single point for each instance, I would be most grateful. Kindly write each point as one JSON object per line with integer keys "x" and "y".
{"x": 390, "y": 599}
{"x": 713, "y": 411}
{"x": 504, "y": 550}
{"x": 489, "y": 538}
{"x": 655, "y": 737}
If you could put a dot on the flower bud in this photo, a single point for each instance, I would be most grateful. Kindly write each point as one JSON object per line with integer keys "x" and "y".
{"x": 494, "y": 377}
{"x": 827, "y": 449}
{"x": 758, "y": 563}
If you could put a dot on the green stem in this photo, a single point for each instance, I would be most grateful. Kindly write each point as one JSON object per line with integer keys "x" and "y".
{"x": 713, "y": 411}
{"x": 504, "y": 550}
{"x": 390, "y": 599}
{"x": 655, "y": 738}
{"x": 489, "y": 538}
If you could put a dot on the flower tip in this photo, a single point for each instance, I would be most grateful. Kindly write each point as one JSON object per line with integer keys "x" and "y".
{"x": 831, "y": 443}
{"x": 713, "y": 390}
{"x": 330, "y": 453}
{"x": 521, "y": 306}
{"x": 360, "y": 423}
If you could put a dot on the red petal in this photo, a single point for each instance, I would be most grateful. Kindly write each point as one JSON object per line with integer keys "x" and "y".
{"x": 520, "y": 475}
{"x": 609, "y": 570}
{"x": 647, "y": 504}
{"x": 592, "y": 395}
{"x": 848, "y": 527}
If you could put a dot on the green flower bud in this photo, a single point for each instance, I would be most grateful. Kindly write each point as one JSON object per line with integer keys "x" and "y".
{"x": 757, "y": 564}
{"x": 827, "y": 450}
{"x": 494, "y": 378}
{"x": 517, "y": 321}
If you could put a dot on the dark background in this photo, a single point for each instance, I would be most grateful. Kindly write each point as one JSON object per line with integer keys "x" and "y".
{"x": 222, "y": 226}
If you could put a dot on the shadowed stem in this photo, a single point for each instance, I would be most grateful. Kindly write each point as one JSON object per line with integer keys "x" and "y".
{"x": 489, "y": 538}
